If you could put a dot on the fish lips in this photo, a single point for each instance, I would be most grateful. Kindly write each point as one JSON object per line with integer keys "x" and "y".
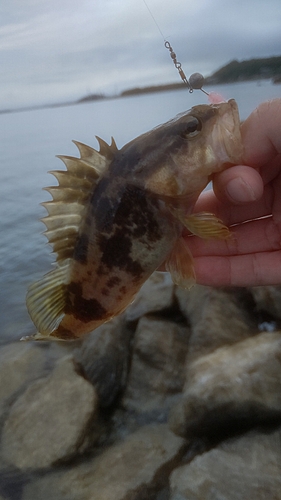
{"x": 227, "y": 141}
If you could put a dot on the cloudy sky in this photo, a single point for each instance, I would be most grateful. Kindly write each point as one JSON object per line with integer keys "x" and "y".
{"x": 59, "y": 50}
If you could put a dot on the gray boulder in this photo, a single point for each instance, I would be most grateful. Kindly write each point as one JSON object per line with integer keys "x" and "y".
{"x": 104, "y": 359}
{"x": 128, "y": 470}
{"x": 156, "y": 294}
{"x": 235, "y": 385}
{"x": 158, "y": 364}
{"x": 20, "y": 363}
{"x": 48, "y": 422}
{"x": 245, "y": 468}
{"x": 268, "y": 299}
{"x": 217, "y": 317}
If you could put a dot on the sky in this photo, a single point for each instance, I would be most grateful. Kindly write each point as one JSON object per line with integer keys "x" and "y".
{"x": 61, "y": 50}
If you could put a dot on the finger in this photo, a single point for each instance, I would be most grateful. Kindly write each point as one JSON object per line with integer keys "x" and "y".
{"x": 276, "y": 209}
{"x": 240, "y": 270}
{"x": 238, "y": 184}
{"x": 261, "y": 235}
{"x": 261, "y": 133}
{"x": 231, "y": 213}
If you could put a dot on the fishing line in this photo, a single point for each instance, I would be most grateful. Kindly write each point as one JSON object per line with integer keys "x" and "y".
{"x": 196, "y": 80}
{"x": 154, "y": 20}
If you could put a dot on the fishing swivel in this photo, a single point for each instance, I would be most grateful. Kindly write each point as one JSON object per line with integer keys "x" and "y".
{"x": 178, "y": 65}
{"x": 196, "y": 80}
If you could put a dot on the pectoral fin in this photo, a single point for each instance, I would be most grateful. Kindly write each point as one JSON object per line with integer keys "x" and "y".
{"x": 180, "y": 265}
{"x": 203, "y": 224}
{"x": 206, "y": 225}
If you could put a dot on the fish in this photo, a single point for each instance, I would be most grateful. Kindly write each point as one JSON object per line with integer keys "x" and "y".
{"x": 117, "y": 215}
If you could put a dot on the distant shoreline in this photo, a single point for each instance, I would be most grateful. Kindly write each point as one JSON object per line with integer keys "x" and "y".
{"x": 233, "y": 72}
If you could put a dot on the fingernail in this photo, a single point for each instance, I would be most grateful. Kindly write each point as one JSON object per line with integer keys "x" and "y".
{"x": 239, "y": 191}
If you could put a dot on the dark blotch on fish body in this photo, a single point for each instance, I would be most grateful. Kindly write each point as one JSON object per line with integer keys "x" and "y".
{"x": 132, "y": 219}
{"x": 113, "y": 281}
{"x": 116, "y": 253}
{"x": 64, "y": 334}
{"x": 81, "y": 248}
{"x": 83, "y": 309}
{"x": 135, "y": 213}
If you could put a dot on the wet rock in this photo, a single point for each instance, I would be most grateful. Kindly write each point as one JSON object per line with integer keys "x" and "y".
{"x": 19, "y": 364}
{"x": 49, "y": 420}
{"x": 155, "y": 295}
{"x": 158, "y": 364}
{"x": 213, "y": 373}
{"x": 236, "y": 385}
{"x": 268, "y": 299}
{"x": 217, "y": 317}
{"x": 245, "y": 468}
{"x": 129, "y": 470}
{"x": 104, "y": 359}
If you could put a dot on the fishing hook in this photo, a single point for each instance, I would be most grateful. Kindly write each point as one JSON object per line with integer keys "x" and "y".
{"x": 196, "y": 80}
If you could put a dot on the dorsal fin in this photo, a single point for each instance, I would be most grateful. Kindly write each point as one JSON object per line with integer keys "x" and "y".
{"x": 107, "y": 150}
{"x": 70, "y": 196}
{"x": 46, "y": 298}
{"x": 90, "y": 155}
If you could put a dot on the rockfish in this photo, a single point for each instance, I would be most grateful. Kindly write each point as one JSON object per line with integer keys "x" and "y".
{"x": 117, "y": 215}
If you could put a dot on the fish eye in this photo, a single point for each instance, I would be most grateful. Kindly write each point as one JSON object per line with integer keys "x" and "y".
{"x": 192, "y": 127}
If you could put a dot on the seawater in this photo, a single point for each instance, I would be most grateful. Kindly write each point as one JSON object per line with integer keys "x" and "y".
{"x": 29, "y": 142}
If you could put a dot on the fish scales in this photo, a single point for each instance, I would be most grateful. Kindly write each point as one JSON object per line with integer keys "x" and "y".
{"x": 122, "y": 237}
{"x": 126, "y": 217}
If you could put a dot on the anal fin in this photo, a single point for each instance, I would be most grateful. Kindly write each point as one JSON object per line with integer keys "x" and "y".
{"x": 180, "y": 265}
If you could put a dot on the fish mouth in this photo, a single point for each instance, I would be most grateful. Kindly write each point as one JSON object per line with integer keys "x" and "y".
{"x": 226, "y": 136}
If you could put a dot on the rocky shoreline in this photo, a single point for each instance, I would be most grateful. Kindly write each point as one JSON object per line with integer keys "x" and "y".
{"x": 177, "y": 399}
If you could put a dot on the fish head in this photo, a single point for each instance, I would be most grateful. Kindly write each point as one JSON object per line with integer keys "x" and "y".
{"x": 192, "y": 147}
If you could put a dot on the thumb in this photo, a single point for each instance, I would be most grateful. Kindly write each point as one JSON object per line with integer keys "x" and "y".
{"x": 239, "y": 184}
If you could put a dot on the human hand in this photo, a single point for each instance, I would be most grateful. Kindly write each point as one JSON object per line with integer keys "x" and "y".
{"x": 248, "y": 197}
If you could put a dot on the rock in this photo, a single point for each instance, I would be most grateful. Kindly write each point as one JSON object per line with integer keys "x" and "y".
{"x": 216, "y": 317}
{"x": 129, "y": 470}
{"x": 212, "y": 372}
{"x": 245, "y": 468}
{"x": 19, "y": 364}
{"x": 236, "y": 385}
{"x": 268, "y": 299}
{"x": 158, "y": 364}
{"x": 49, "y": 420}
{"x": 104, "y": 359}
{"x": 155, "y": 295}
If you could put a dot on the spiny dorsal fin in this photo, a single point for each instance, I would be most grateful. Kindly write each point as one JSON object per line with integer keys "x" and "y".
{"x": 46, "y": 299}
{"x": 66, "y": 179}
{"x": 90, "y": 155}
{"x": 67, "y": 194}
{"x": 109, "y": 151}
{"x": 83, "y": 169}
{"x": 70, "y": 196}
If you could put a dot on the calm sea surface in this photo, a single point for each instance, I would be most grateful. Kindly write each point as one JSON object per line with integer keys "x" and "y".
{"x": 29, "y": 142}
